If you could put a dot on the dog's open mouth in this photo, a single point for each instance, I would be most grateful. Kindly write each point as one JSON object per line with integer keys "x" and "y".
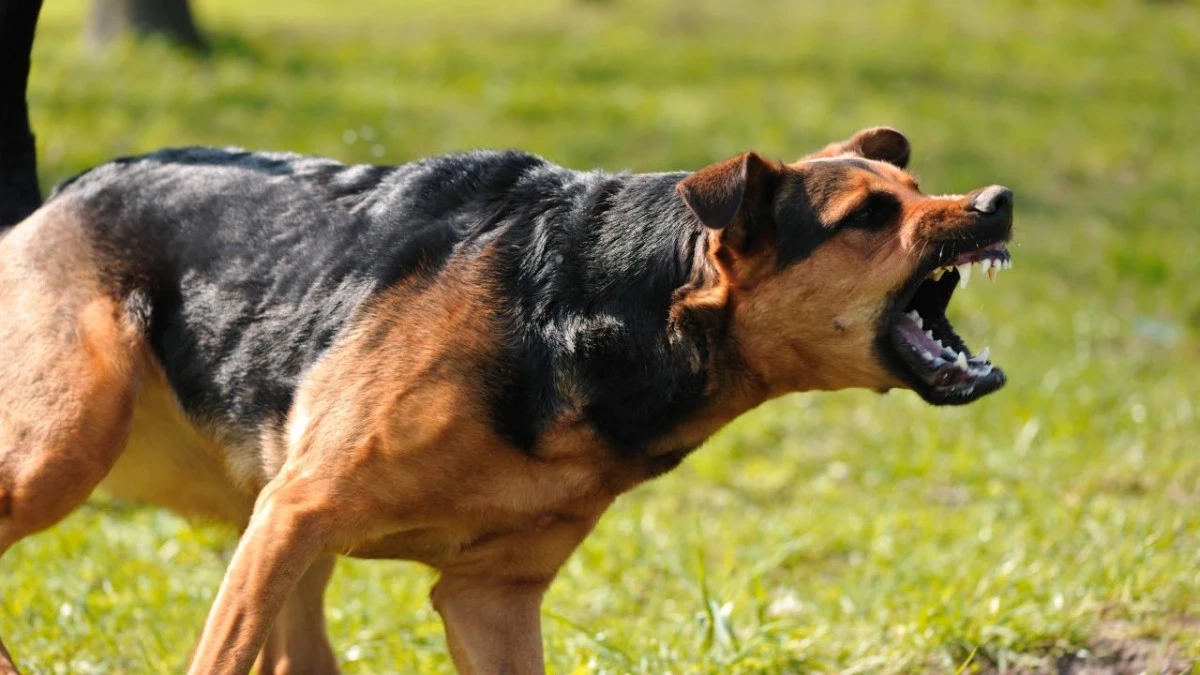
{"x": 937, "y": 362}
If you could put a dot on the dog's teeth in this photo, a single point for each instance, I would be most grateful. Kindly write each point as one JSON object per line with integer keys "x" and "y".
{"x": 964, "y": 275}
{"x": 927, "y": 356}
{"x": 983, "y": 355}
{"x": 961, "y": 361}
{"x": 919, "y": 320}
{"x": 936, "y": 275}
{"x": 991, "y": 272}
{"x": 986, "y": 264}
{"x": 929, "y": 334}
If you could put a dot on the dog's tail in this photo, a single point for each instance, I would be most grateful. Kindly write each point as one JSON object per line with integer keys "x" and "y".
{"x": 19, "y": 192}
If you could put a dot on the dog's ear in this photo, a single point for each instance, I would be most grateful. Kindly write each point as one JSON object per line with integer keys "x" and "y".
{"x": 733, "y": 197}
{"x": 879, "y": 143}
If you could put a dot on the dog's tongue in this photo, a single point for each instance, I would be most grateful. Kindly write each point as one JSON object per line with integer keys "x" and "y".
{"x": 945, "y": 366}
{"x": 915, "y": 337}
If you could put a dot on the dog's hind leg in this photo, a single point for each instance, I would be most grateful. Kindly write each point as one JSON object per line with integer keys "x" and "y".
{"x": 298, "y": 644}
{"x": 68, "y": 357}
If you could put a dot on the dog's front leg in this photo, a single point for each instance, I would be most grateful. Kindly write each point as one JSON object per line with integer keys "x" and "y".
{"x": 490, "y": 597}
{"x": 287, "y": 532}
{"x": 493, "y": 625}
{"x": 298, "y": 643}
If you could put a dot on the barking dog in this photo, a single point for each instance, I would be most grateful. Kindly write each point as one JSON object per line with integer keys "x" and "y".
{"x": 460, "y": 361}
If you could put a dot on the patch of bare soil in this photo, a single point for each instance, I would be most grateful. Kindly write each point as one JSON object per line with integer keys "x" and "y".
{"x": 1127, "y": 656}
{"x": 1114, "y": 653}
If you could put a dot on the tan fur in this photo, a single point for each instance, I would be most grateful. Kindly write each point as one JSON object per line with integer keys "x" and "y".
{"x": 169, "y": 463}
{"x": 298, "y": 644}
{"x": 66, "y": 381}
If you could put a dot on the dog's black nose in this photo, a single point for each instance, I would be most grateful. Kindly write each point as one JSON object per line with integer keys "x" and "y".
{"x": 992, "y": 200}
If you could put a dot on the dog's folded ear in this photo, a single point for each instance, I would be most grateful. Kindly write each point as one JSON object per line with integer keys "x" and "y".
{"x": 719, "y": 193}
{"x": 884, "y": 144}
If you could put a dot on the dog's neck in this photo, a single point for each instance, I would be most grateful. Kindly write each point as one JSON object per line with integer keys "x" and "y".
{"x": 701, "y": 364}
{"x": 623, "y": 319}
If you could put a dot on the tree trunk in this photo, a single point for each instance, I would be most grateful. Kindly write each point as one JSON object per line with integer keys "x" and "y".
{"x": 171, "y": 19}
{"x": 19, "y": 193}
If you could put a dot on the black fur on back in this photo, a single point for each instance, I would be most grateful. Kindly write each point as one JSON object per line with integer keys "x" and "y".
{"x": 251, "y": 264}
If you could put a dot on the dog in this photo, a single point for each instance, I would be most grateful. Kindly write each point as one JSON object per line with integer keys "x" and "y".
{"x": 460, "y": 361}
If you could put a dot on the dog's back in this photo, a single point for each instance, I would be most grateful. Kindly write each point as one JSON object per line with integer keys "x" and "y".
{"x": 244, "y": 267}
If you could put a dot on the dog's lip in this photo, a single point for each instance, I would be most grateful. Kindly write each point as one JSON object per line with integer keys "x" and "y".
{"x": 941, "y": 363}
{"x": 959, "y": 253}
{"x": 994, "y": 250}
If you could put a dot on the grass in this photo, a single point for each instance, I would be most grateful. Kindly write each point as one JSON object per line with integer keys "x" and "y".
{"x": 843, "y": 532}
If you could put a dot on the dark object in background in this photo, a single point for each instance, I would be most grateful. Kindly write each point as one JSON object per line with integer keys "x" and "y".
{"x": 19, "y": 193}
{"x": 170, "y": 19}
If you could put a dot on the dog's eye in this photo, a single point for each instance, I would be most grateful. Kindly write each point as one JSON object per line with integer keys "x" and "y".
{"x": 878, "y": 210}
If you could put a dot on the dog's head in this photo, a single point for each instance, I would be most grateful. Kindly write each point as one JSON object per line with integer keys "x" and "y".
{"x": 839, "y": 269}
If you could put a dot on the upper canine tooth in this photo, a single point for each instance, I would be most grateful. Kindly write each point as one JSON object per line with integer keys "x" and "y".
{"x": 961, "y": 361}
{"x": 986, "y": 264}
{"x": 983, "y": 354}
{"x": 964, "y": 275}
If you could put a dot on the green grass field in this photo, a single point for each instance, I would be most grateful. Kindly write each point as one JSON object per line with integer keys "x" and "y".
{"x": 828, "y": 532}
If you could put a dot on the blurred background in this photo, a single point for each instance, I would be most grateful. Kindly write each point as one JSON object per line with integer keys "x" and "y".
{"x": 1051, "y": 525}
